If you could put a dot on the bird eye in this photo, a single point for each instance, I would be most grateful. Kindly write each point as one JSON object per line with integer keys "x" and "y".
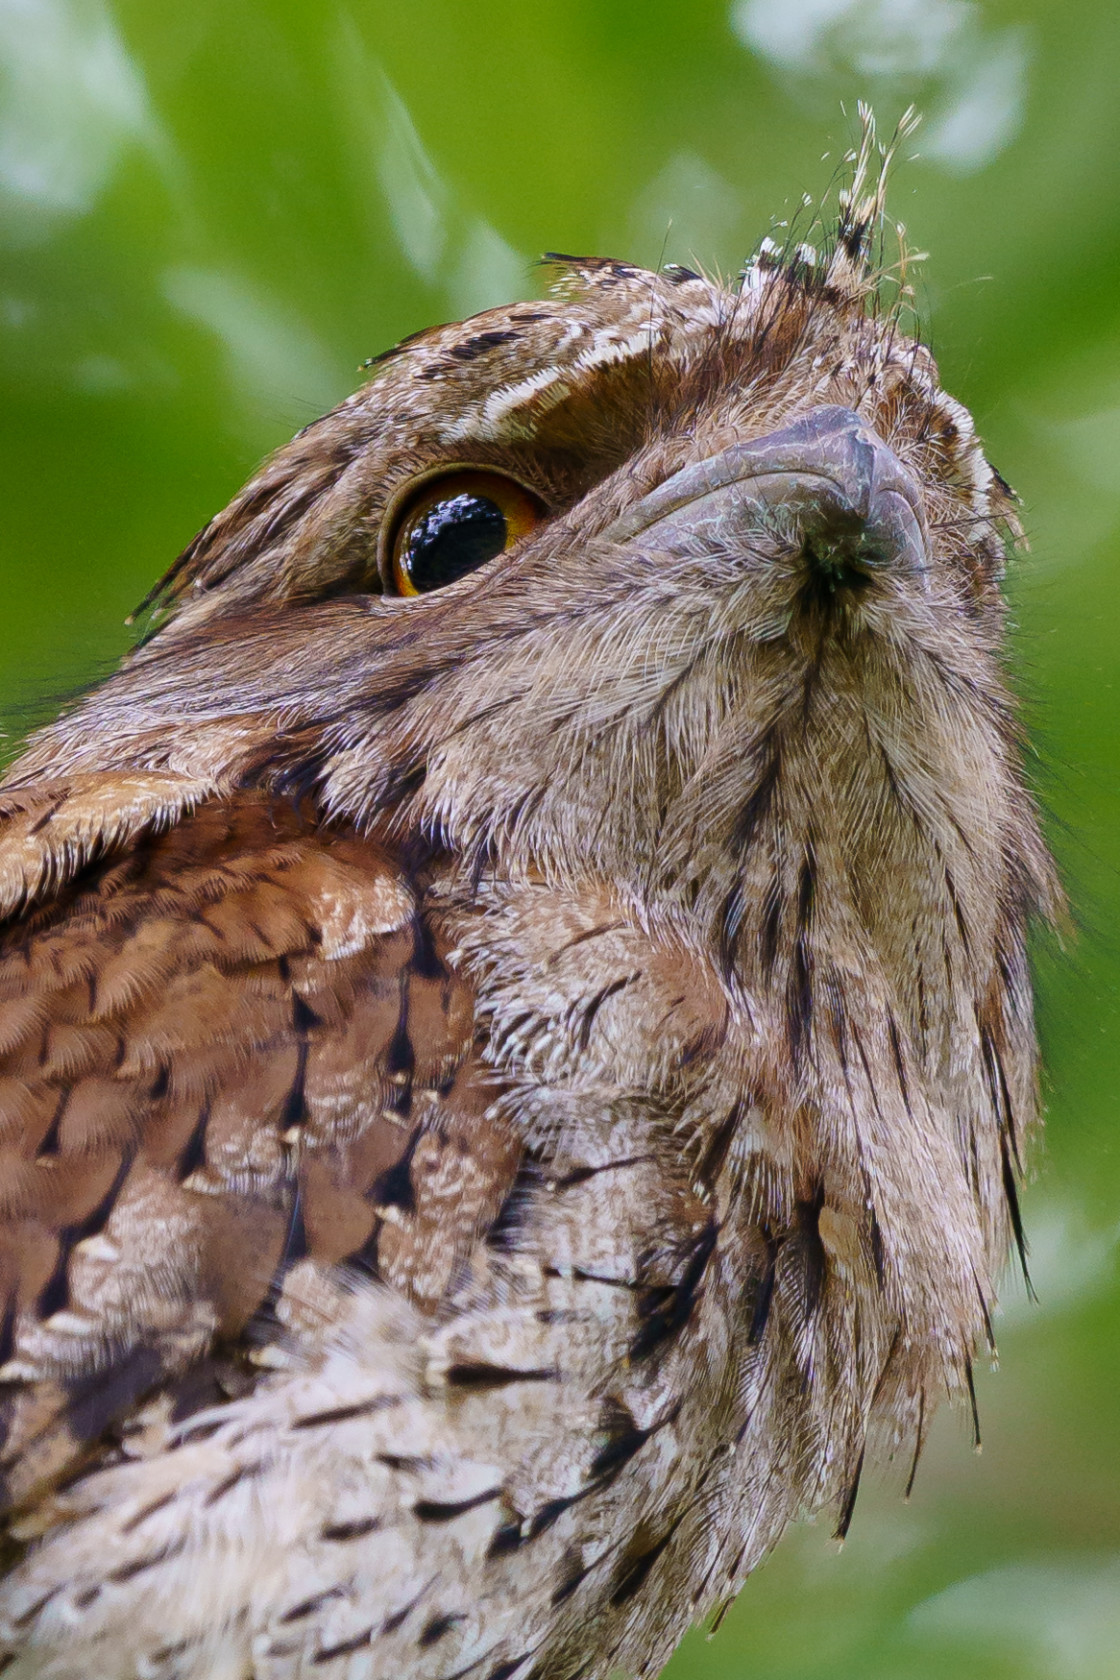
{"x": 454, "y": 524}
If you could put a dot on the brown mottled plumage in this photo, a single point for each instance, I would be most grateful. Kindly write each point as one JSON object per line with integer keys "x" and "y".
{"x": 504, "y": 1093}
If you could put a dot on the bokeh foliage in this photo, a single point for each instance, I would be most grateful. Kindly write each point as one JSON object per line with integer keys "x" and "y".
{"x": 211, "y": 213}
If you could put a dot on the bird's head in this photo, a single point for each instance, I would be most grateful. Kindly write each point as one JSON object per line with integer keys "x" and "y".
{"x": 693, "y": 588}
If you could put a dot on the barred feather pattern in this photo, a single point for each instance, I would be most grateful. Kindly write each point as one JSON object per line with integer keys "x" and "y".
{"x": 507, "y": 1096}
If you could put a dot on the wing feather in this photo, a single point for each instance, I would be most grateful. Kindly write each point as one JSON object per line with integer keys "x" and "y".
{"x": 230, "y": 1051}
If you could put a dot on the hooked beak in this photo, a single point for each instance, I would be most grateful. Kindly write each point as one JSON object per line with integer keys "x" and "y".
{"x": 856, "y": 507}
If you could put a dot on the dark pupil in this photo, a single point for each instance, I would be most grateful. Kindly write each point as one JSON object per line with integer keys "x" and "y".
{"x": 452, "y": 539}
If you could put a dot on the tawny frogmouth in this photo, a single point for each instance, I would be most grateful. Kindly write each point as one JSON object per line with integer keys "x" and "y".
{"x": 515, "y": 1031}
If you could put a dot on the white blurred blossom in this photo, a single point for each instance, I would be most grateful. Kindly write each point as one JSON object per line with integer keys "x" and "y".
{"x": 71, "y": 100}
{"x": 970, "y": 79}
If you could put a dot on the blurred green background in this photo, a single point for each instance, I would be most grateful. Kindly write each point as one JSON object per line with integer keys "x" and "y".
{"x": 211, "y": 213}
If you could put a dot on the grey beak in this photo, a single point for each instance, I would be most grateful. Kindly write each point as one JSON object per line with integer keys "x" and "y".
{"x": 847, "y": 493}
